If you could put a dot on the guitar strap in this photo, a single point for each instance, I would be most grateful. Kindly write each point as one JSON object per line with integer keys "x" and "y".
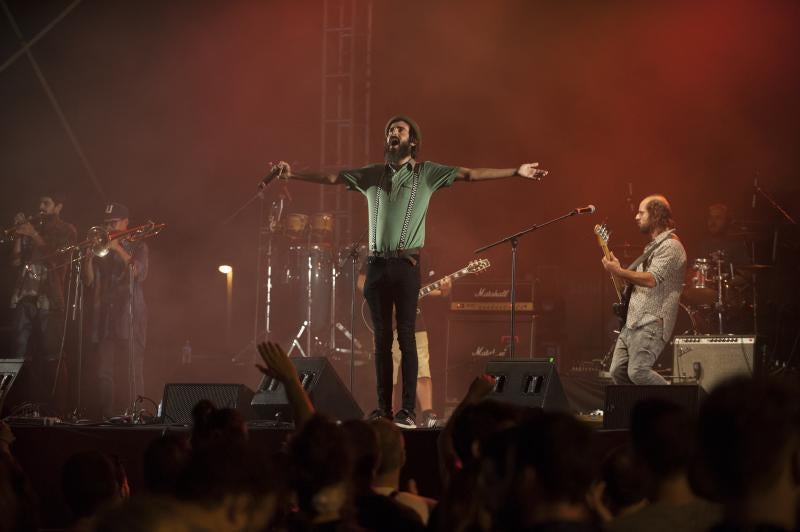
{"x": 647, "y": 254}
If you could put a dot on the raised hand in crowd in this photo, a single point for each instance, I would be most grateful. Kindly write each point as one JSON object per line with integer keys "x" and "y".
{"x": 278, "y": 366}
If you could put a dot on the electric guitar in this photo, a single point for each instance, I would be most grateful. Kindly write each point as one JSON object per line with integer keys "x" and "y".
{"x": 622, "y": 289}
{"x": 474, "y": 266}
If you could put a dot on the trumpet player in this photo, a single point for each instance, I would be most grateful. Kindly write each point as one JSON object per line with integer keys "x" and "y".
{"x": 115, "y": 283}
{"x": 39, "y": 291}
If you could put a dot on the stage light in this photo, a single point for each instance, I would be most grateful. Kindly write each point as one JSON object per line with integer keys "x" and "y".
{"x": 224, "y": 268}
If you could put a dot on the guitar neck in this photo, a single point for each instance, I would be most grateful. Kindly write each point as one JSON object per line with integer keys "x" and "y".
{"x": 619, "y": 287}
{"x": 427, "y": 289}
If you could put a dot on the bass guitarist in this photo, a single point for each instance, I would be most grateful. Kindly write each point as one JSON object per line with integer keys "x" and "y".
{"x": 655, "y": 282}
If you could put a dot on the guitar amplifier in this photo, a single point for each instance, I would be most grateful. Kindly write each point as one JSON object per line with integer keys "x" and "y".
{"x": 711, "y": 359}
{"x": 491, "y": 297}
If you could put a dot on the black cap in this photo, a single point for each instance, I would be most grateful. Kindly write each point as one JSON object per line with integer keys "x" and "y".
{"x": 115, "y": 211}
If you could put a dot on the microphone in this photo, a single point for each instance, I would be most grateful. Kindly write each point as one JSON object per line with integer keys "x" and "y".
{"x": 276, "y": 171}
{"x": 589, "y": 209}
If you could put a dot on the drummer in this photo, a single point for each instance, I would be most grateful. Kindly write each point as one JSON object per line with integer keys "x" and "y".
{"x": 719, "y": 238}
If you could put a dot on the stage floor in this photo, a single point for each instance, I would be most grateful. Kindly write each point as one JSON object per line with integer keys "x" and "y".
{"x": 42, "y": 450}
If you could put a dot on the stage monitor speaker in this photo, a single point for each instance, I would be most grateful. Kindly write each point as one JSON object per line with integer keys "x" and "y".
{"x": 474, "y": 339}
{"x": 533, "y": 382}
{"x": 709, "y": 360}
{"x": 9, "y": 369}
{"x": 322, "y": 384}
{"x": 180, "y": 398}
{"x": 621, "y": 398}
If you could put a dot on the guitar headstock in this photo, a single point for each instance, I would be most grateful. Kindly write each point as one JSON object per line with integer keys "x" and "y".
{"x": 478, "y": 265}
{"x": 603, "y": 234}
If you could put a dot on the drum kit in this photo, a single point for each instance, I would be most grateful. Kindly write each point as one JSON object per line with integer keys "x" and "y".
{"x": 718, "y": 296}
{"x": 314, "y": 283}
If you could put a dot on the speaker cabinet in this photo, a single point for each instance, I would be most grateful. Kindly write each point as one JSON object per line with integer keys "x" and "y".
{"x": 322, "y": 384}
{"x": 532, "y": 382}
{"x": 474, "y": 339}
{"x": 709, "y": 360}
{"x": 621, "y": 398}
{"x": 9, "y": 369}
{"x": 180, "y": 398}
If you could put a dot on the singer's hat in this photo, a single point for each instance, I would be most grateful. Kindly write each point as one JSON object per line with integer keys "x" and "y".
{"x": 408, "y": 120}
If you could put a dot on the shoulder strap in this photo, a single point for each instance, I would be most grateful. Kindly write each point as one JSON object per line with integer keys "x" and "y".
{"x": 646, "y": 255}
{"x": 409, "y": 207}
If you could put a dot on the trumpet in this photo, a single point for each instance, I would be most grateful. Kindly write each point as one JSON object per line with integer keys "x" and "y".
{"x": 98, "y": 239}
{"x": 9, "y": 234}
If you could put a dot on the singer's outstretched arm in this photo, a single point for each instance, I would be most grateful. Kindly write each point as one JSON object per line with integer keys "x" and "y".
{"x": 527, "y": 170}
{"x": 319, "y": 178}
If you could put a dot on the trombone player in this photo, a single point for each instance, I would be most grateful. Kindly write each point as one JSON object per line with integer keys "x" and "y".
{"x": 114, "y": 276}
{"x": 38, "y": 294}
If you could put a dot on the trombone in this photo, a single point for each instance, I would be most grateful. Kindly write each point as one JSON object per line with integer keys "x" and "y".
{"x": 98, "y": 239}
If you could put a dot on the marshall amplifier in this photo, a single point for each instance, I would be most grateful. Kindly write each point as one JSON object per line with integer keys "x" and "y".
{"x": 709, "y": 359}
{"x": 490, "y": 297}
{"x": 473, "y": 339}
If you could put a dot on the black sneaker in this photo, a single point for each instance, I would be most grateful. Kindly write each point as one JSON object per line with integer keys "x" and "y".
{"x": 379, "y": 413}
{"x": 405, "y": 419}
{"x": 430, "y": 420}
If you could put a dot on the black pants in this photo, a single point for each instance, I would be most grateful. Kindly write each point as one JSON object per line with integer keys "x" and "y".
{"x": 394, "y": 283}
{"x": 30, "y": 324}
{"x": 35, "y": 341}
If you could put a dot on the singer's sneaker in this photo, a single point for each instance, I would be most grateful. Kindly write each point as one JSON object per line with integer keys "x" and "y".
{"x": 430, "y": 420}
{"x": 405, "y": 419}
{"x": 379, "y": 413}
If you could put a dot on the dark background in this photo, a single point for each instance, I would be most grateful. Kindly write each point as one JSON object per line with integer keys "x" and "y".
{"x": 179, "y": 107}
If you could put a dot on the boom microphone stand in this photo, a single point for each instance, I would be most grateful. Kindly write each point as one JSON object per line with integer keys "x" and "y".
{"x": 513, "y": 239}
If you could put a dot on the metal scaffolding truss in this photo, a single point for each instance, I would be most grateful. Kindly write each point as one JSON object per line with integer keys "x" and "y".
{"x": 346, "y": 70}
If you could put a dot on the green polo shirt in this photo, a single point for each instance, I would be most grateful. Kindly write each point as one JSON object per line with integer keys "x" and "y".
{"x": 397, "y": 207}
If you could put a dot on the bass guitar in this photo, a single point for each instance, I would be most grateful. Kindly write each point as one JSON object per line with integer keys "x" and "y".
{"x": 622, "y": 289}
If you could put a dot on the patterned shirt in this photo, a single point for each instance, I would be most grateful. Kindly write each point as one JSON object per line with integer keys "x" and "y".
{"x": 668, "y": 266}
{"x": 42, "y": 270}
{"x": 398, "y": 200}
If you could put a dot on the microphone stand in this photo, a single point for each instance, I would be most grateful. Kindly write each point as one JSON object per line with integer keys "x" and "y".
{"x": 131, "y": 347}
{"x": 353, "y": 256}
{"x": 73, "y": 299}
{"x": 774, "y": 204}
{"x": 786, "y": 216}
{"x": 513, "y": 239}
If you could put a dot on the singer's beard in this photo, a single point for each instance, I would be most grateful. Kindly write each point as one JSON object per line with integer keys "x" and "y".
{"x": 402, "y": 151}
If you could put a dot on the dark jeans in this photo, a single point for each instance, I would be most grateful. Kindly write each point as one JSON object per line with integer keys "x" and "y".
{"x": 113, "y": 374}
{"x": 30, "y": 343}
{"x": 394, "y": 283}
{"x": 29, "y": 321}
